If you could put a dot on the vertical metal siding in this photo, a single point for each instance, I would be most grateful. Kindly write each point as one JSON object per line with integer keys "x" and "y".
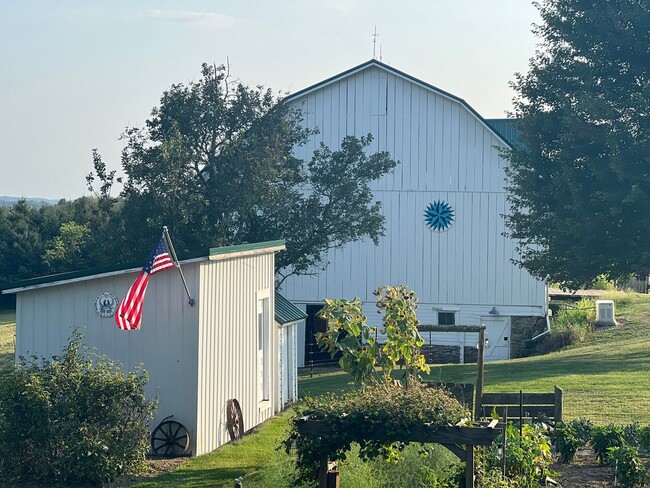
{"x": 165, "y": 346}
{"x": 227, "y": 340}
{"x": 445, "y": 152}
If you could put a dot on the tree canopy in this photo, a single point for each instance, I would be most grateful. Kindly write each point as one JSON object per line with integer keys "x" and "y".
{"x": 215, "y": 164}
{"x": 579, "y": 176}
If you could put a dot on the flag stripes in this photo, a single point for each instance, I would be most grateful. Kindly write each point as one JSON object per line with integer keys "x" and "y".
{"x": 129, "y": 313}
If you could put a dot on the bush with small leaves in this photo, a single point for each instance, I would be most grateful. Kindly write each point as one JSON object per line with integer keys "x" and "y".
{"x": 74, "y": 419}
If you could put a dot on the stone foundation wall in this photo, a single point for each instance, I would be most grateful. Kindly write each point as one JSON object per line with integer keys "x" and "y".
{"x": 437, "y": 354}
{"x": 471, "y": 354}
{"x": 522, "y": 329}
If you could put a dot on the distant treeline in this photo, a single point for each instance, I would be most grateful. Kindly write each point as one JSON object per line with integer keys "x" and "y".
{"x": 66, "y": 236}
{"x": 6, "y": 201}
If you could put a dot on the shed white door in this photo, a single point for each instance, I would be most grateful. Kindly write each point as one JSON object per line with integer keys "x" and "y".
{"x": 262, "y": 349}
{"x": 497, "y": 333}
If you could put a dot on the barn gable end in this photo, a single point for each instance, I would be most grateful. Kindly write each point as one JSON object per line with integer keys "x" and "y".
{"x": 447, "y": 153}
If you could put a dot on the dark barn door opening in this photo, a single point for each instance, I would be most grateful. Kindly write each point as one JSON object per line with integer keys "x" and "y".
{"x": 313, "y": 324}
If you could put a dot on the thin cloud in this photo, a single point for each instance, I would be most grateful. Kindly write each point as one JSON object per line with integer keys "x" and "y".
{"x": 203, "y": 19}
{"x": 344, "y": 6}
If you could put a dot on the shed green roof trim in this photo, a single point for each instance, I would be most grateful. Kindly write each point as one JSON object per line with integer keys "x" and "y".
{"x": 286, "y": 312}
{"x": 117, "y": 268}
{"x": 245, "y": 247}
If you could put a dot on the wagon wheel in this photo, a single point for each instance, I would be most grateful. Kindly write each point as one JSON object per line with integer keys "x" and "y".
{"x": 170, "y": 439}
{"x": 234, "y": 420}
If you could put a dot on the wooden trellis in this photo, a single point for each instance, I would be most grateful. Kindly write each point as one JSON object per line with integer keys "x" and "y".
{"x": 459, "y": 440}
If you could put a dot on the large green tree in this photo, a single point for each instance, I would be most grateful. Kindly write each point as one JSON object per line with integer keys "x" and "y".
{"x": 215, "y": 163}
{"x": 579, "y": 176}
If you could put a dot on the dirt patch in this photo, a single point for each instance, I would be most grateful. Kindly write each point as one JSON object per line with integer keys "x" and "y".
{"x": 584, "y": 471}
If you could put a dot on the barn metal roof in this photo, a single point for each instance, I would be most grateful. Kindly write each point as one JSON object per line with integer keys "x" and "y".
{"x": 507, "y": 128}
{"x": 286, "y": 312}
{"x": 215, "y": 253}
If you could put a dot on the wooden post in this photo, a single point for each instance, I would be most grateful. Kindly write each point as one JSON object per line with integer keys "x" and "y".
{"x": 469, "y": 466}
{"x": 478, "y": 403}
{"x": 322, "y": 472}
{"x": 559, "y": 404}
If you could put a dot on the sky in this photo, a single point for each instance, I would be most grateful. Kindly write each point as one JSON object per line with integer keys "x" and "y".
{"x": 75, "y": 73}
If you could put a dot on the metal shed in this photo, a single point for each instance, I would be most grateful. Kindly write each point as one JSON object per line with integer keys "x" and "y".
{"x": 288, "y": 318}
{"x": 198, "y": 357}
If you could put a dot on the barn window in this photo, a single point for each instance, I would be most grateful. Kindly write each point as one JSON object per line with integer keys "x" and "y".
{"x": 446, "y": 318}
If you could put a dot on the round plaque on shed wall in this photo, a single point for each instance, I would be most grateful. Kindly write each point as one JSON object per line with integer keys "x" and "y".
{"x": 105, "y": 304}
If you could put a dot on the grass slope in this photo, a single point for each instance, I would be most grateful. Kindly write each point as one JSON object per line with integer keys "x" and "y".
{"x": 605, "y": 379}
{"x": 254, "y": 458}
{"x": 7, "y": 336}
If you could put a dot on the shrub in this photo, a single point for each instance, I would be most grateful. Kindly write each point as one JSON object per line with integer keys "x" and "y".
{"x": 602, "y": 283}
{"x": 580, "y": 316}
{"x": 77, "y": 418}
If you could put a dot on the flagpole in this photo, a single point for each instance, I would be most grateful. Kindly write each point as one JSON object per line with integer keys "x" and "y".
{"x": 168, "y": 239}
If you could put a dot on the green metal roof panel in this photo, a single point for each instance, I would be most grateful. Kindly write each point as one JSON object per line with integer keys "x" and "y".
{"x": 88, "y": 273}
{"x": 286, "y": 312}
{"x": 507, "y": 128}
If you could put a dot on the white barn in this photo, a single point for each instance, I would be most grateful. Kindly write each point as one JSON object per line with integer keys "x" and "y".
{"x": 450, "y": 166}
{"x": 226, "y": 346}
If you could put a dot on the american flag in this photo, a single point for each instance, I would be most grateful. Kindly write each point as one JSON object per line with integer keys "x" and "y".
{"x": 129, "y": 312}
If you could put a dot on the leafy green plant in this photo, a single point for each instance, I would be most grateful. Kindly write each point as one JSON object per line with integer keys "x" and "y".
{"x": 605, "y": 437}
{"x": 602, "y": 283}
{"x": 349, "y": 334}
{"x": 631, "y": 433}
{"x": 628, "y": 468}
{"x": 571, "y": 324}
{"x": 528, "y": 458}
{"x": 77, "y": 418}
{"x": 579, "y": 316}
{"x": 566, "y": 441}
{"x": 528, "y": 455}
{"x": 583, "y": 428}
{"x": 644, "y": 439}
